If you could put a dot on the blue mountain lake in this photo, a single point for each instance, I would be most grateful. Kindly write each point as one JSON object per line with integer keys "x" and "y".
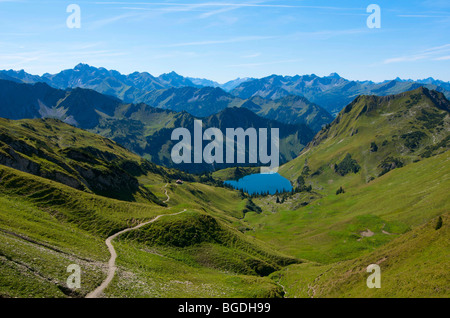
{"x": 262, "y": 183}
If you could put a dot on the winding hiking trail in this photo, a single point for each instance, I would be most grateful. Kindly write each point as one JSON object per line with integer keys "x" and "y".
{"x": 112, "y": 261}
{"x": 165, "y": 192}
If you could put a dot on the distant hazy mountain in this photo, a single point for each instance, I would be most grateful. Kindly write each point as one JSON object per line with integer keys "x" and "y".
{"x": 228, "y": 86}
{"x": 331, "y": 92}
{"x": 126, "y": 87}
{"x": 207, "y": 101}
{"x": 172, "y": 79}
{"x": 428, "y": 81}
{"x": 203, "y": 82}
{"x": 199, "y": 102}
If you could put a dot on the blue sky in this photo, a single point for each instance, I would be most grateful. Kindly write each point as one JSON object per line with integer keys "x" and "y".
{"x": 223, "y": 40}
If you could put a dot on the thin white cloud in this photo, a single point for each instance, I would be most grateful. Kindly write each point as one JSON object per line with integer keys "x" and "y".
{"x": 265, "y": 63}
{"x": 427, "y": 54}
{"x": 104, "y": 22}
{"x": 442, "y": 58}
{"x": 251, "y": 56}
{"x": 224, "y": 41}
{"x": 430, "y": 16}
{"x": 256, "y": 4}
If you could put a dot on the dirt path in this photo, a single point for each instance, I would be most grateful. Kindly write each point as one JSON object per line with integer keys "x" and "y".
{"x": 312, "y": 287}
{"x": 167, "y": 195}
{"x": 112, "y": 261}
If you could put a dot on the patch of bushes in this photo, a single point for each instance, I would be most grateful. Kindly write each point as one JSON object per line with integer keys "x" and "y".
{"x": 438, "y": 223}
{"x": 301, "y": 186}
{"x": 431, "y": 120}
{"x": 430, "y": 150}
{"x": 340, "y": 190}
{"x": 413, "y": 139}
{"x": 193, "y": 228}
{"x": 347, "y": 165}
{"x": 373, "y": 147}
{"x": 390, "y": 163}
{"x": 250, "y": 206}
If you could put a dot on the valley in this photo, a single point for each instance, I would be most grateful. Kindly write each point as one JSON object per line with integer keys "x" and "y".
{"x": 370, "y": 187}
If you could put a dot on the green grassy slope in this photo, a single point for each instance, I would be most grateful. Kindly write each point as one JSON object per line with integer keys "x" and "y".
{"x": 380, "y": 133}
{"x": 82, "y": 160}
{"x": 316, "y": 243}
{"x": 45, "y": 226}
{"x": 412, "y": 265}
{"x": 330, "y": 229}
{"x": 383, "y": 202}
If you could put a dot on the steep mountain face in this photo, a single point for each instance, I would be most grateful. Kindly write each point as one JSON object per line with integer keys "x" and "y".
{"x": 141, "y": 133}
{"x": 206, "y": 101}
{"x": 85, "y": 161}
{"x": 78, "y": 107}
{"x": 291, "y": 110}
{"x": 200, "y": 102}
{"x": 331, "y": 92}
{"x": 374, "y": 135}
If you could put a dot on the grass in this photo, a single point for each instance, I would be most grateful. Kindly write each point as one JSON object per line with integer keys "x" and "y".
{"x": 412, "y": 265}
{"x": 143, "y": 272}
{"x": 328, "y": 229}
{"x": 46, "y": 223}
{"x": 315, "y": 244}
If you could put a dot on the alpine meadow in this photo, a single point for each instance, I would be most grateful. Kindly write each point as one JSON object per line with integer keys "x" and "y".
{"x": 230, "y": 181}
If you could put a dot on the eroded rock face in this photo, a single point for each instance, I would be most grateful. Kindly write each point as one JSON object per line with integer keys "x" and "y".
{"x": 14, "y": 159}
{"x": 81, "y": 169}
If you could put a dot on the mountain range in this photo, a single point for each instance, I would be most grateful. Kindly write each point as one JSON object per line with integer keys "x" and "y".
{"x": 168, "y": 91}
{"x": 371, "y": 187}
{"x": 143, "y": 129}
{"x": 329, "y": 92}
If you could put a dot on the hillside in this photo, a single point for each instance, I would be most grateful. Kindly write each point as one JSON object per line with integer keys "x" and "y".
{"x": 54, "y": 150}
{"x": 370, "y": 201}
{"x": 412, "y": 266}
{"x": 314, "y": 242}
{"x": 80, "y": 107}
{"x": 380, "y": 133}
{"x": 46, "y": 225}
